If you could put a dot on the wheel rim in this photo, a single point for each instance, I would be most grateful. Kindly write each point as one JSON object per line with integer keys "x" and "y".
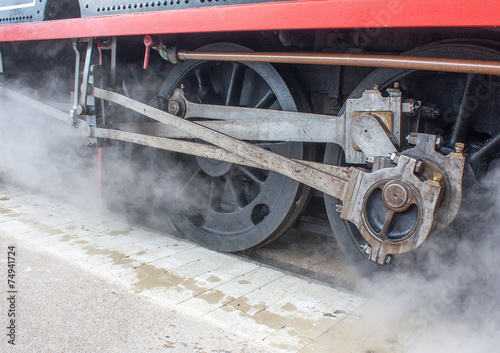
{"x": 422, "y": 86}
{"x": 224, "y": 206}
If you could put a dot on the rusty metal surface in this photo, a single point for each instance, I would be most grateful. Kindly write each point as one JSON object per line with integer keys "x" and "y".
{"x": 425, "y": 196}
{"x": 265, "y": 159}
{"x": 276, "y": 125}
{"x": 451, "y": 169}
{"x": 373, "y": 103}
{"x": 391, "y": 61}
{"x": 421, "y": 176}
{"x": 371, "y": 137}
{"x": 354, "y": 189}
{"x": 326, "y": 129}
{"x": 203, "y": 150}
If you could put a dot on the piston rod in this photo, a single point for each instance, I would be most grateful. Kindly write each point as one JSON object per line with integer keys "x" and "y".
{"x": 370, "y": 60}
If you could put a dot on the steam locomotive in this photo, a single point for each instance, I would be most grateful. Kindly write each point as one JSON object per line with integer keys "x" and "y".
{"x": 250, "y": 114}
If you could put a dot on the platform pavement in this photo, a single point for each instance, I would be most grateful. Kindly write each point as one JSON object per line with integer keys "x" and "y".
{"x": 276, "y": 310}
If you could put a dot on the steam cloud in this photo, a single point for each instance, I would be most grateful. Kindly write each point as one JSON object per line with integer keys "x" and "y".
{"x": 453, "y": 303}
{"x": 45, "y": 155}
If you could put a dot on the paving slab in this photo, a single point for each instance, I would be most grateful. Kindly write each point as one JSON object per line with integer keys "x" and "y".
{"x": 276, "y": 310}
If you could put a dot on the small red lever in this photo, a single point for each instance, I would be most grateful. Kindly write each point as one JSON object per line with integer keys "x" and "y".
{"x": 148, "y": 42}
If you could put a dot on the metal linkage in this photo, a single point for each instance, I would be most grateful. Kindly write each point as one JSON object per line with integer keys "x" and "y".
{"x": 265, "y": 159}
{"x": 392, "y": 61}
{"x": 423, "y": 188}
{"x": 403, "y": 193}
{"x": 41, "y": 107}
{"x": 76, "y": 89}
{"x": 370, "y": 126}
{"x": 81, "y": 88}
{"x": 201, "y": 150}
{"x": 400, "y": 189}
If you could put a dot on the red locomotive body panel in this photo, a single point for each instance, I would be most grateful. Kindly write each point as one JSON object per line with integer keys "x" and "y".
{"x": 317, "y": 14}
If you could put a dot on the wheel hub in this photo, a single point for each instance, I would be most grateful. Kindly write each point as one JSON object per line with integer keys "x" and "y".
{"x": 391, "y": 211}
{"x": 225, "y": 206}
{"x": 396, "y": 196}
{"x": 213, "y": 167}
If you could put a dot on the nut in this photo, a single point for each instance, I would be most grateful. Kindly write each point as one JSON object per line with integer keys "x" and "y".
{"x": 366, "y": 249}
{"x": 459, "y": 147}
{"x": 173, "y": 107}
{"x": 438, "y": 177}
{"x": 89, "y": 131}
{"x": 394, "y": 158}
{"x": 439, "y": 141}
{"x": 419, "y": 167}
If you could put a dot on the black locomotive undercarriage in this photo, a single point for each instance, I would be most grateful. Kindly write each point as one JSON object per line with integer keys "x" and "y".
{"x": 252, "y": 147}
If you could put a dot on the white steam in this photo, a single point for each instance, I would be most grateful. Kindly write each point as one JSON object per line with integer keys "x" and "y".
{"x": 44, "y": 154}
{"x": 453, "y": 305}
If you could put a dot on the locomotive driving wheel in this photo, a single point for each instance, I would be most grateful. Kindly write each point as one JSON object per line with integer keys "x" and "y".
{"x": 220, "y": 205}
{"x": 460, "y": 108}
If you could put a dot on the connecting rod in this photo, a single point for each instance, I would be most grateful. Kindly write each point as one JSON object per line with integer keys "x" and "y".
{"x": 329, "y": 184}
{"x": 352, "y": 185}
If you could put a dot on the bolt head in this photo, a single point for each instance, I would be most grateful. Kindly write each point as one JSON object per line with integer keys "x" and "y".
{"x": 88, "y": 131}
{"x": 419, "y": 166}
{"x": 438, "y": 177}
{"x": 459, "y": 147}
{"x": 79, "y": 109}
{"x": 366, "y": 249}
{"x": 396, "y": 196}
{"x": 173, "y": 108}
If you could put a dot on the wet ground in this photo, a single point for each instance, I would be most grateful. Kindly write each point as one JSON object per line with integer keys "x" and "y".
{"x": 64, "y": 308}
{"x": 74, "y": 260}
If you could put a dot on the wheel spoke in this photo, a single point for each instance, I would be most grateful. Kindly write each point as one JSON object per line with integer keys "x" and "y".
{"x": 275, "y": 105}
{"x": 215, "y": 198}
{"x": 205, "y": 87}
{"x": 190, "y": 181}
{"x": 252, "y": 175}
{"x": 387, "y": 224}
{"x": 266, "y": 101}
{"x": 235, "y": 208}
{"x": 460, "y": 127}
{"x": 235, "y": 85}
{"x": 237, "y": 193}
{"x": 486, "y": 151}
